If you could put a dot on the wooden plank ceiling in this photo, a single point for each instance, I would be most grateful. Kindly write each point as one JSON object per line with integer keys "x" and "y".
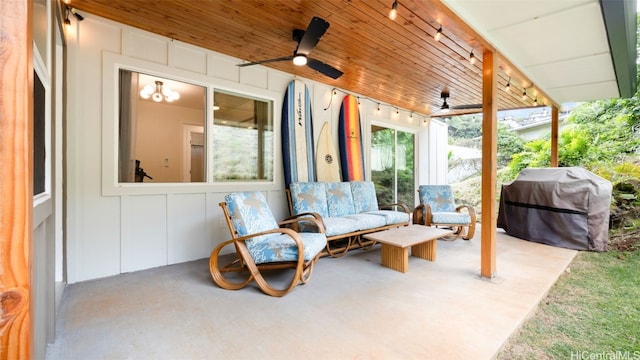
{"x": 395, "y": 62}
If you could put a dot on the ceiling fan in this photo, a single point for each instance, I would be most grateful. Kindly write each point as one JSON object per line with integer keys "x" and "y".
{"x": 307, "y": 41}
{"x": 445, "y": 107}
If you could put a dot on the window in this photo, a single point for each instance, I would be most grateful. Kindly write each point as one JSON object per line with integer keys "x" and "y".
{"x": 39, "y": 136}
{"x": 161, "y": 130}
{"x": 242, "y": 138}
{"x": 392, "y": 165}
{"x": 163, "y": 136}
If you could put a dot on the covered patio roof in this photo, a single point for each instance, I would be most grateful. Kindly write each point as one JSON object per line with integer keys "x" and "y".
{"x": 559, "y": 51}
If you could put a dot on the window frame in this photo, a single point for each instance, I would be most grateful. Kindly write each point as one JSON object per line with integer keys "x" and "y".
{"x": 112, "y": 63}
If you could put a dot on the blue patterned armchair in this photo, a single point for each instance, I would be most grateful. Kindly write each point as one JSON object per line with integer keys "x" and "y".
{"x": 261, "y": 243}
{"x": 437, "y": 207}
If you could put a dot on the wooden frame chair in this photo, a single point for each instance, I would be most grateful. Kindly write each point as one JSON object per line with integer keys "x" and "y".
{"x": 263, "y": 244}
{"x": 437, "y": 207}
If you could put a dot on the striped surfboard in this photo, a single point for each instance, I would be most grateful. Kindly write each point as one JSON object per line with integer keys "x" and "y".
{"x": 297, "y": 135}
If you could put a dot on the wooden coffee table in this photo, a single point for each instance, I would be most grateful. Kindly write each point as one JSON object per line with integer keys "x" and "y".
{"x": 396, "y": 242}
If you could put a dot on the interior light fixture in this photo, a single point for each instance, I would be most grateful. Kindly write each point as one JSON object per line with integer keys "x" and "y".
{"x": 160, "y": 93}
{"x": 508, "y": 87}
{"x": 378, "y": 108}
{"x": 535, "y": 101}
{"x": 524, "y": 94}
{"x": 472, "y": 58}
{"x": 300, "y": 60}
{"x": 438, "y": 34}
{"x": 393, "y": 13}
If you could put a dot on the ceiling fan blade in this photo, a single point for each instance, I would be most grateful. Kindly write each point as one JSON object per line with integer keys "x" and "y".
{"x": 323, "y": 68}
{"x": 317, "y": 27}
{"x": 465, "y": 107}
{"x": 284, "y": 58}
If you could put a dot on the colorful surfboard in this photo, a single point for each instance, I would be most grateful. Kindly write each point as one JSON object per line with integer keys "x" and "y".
{"x": 297, "y": 134}
{"x": 327, "y": 166}
{"x": 350, "y": 140}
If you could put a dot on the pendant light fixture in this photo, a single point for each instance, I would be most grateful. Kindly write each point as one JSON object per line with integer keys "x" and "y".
{"x": 438, "y": 34}
{"x": 160, "y": 93}
{"x": 393, "y": 13}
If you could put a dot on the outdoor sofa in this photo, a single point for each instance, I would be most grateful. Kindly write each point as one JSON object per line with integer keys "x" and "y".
{"x": 347, "y": 210}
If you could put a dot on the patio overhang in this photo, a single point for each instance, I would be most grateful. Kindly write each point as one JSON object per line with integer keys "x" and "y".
{"x": 527, "y": 53}
{"x": 576, "y": 50}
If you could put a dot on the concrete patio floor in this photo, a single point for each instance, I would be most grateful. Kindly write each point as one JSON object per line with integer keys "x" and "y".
{"x": 353, "y": 308}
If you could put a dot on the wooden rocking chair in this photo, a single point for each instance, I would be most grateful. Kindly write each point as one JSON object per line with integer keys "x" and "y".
{"x": 262, "y": 244}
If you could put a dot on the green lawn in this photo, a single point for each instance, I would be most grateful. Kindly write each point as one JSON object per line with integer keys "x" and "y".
{"x": 592, "y": 312}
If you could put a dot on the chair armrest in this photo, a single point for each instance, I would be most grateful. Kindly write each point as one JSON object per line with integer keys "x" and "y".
{"x": 404, "y": 207}
{"x": 308, "y": 217}
{"x": 422, "y": 214}
{"x": 470, "y": 210}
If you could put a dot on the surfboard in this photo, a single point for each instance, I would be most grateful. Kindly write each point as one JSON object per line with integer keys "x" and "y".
{"x": 350, "y": 140}
{"x": 327, "y": 166}
{"x": 297, "y": 134}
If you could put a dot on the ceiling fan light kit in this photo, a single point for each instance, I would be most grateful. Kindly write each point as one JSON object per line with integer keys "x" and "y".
{"x": 307, "y": 41}
{"x": 300, "y": 60}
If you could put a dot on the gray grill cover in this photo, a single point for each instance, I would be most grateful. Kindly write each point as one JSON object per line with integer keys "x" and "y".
{"x": 565, "y": 207}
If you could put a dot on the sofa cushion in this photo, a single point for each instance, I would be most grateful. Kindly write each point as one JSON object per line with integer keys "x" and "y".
{"x": 339, "y": 199}
{"x": 339, "y": 225}
{"x": 391, "y": 216}
{"x": 250, "y": 214}
{"x": 368, "y": 221}
{"x": 364, "y": 196}
{"x": 309, "y": 197}
{"x": 283, "y": 248}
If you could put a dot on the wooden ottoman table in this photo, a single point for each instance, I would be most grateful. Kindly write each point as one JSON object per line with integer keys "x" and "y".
{"x": 396, "y": 242}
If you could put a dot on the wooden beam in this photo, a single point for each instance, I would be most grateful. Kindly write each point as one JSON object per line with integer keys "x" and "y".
{"x": 16, "y": 179}
{"x": 554, "y": 136}
{"x": 489, "y": 164}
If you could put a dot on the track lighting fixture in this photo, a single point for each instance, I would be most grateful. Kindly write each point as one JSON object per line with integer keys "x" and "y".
{"x": 76, "y": 15}
{"x": 472, "y": 58}
{"x": 508, "y": 87}
{"x": 393, "y": 13}
{"x": 438, "y": 34}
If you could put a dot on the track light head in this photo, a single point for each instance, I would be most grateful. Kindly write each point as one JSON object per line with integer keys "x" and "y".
{"x": 77, "y": 15}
